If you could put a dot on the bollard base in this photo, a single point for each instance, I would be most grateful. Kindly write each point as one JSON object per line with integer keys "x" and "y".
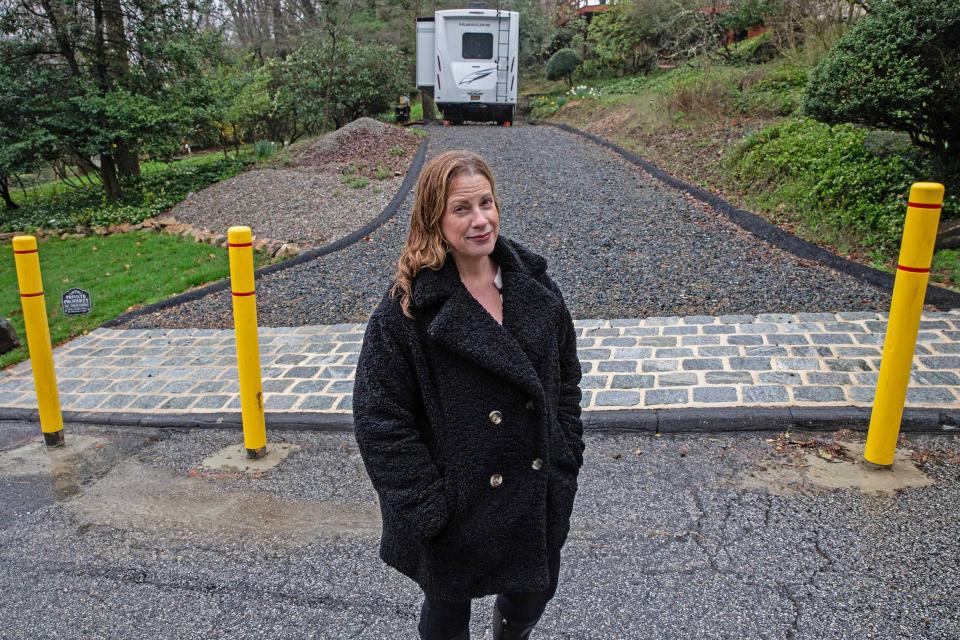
{"x": 873, "y": 466}
{"x": 255, "y": 454}
{"x": 54, "y": 439}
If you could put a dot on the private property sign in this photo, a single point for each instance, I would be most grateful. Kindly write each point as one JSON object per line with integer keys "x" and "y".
{"x": 76, "y": 302}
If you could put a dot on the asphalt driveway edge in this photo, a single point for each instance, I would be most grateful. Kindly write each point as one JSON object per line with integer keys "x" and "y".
{"x": 938, "y": 296}
{"x": 685, "y": 420}
{"x": 413, "y": 172}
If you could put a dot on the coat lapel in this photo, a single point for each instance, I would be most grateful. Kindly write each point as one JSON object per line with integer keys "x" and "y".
{"x": 464, "y": 327}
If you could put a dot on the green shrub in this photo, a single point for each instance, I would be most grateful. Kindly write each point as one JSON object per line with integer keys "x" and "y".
{"x": 355, "y": 182}
{"x": 543, "y": 107}
{"x": 897, "y": 68}
{"x": 382, "y": 173}
{"x": 830, "y": 179}
{"x": 263, "y": 149}
{"x": 779, "y": 92}
{"x": 562, "y": 64}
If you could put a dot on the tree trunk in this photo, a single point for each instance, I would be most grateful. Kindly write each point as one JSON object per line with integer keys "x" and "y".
{"x": 279, "y": 30}
{"x": 117, "y": 53}
{"x": 101, "y": 65}
{"x": 309, "y": 13}
{"x": 5, "y": 191}
{"x": 108, "y": 174}
{"x": 428, "y": 106}
{"x": 329, "y": 84}
{"x": 128, "y": 163}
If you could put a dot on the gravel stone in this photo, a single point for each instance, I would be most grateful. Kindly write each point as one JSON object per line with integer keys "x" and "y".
{"x": 666, "y": 396}
{"x": 659, "y": 365}
{"x": 617, "y": 398}
{"x": 579, "y": 210}
{"x": 749, "y": 364}
{"x": 632, "y": 382}
{"x": 934, "y": 395}
{"x": 677, "y": 380}
{"x": 728, "y": 377}
{"x": 765, "y": 393}
{"x": 700, "y": 364}
{"x": 715, "y": 394}
{"x": 618, "y": 366}
{"x": 818, "y": 394}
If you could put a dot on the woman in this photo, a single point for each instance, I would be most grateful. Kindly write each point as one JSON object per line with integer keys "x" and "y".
{"x": 467, "y": 410}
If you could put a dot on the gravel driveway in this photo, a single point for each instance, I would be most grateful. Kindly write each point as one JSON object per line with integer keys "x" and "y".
{"x": 619, "y": 243}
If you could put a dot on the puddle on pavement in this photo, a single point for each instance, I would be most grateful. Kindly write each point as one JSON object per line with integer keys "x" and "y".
{"x": 67, "y": 466}
{"x": 135, "y": 496}
{"x": 812, "y": 473}
{"x": 95, "y": 479}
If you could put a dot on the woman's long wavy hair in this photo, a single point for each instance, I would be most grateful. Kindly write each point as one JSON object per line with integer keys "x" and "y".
{"x": 425, "y": 246}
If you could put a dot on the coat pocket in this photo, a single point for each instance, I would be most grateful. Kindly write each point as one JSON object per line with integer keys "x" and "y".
{"x": 562, "y": 452}
{"x": 451, "y": 503}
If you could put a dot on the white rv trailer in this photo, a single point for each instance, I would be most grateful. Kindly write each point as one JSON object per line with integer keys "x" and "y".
{"x": 467, "y": 61}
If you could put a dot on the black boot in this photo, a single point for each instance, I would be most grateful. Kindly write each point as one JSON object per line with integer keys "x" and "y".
{"x": 505, "y": 630}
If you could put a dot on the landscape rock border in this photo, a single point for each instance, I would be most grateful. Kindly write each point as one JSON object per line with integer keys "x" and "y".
{"x": 943, "y": 299}
{"x": 413, "y": 172}
{"x": 165, "y": 224}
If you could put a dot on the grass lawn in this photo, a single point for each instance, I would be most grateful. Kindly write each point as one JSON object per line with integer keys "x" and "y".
{"x": 119, "y": 271}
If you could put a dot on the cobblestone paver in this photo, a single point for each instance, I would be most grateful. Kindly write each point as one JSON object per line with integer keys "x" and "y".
{"x": 806, "y": 359}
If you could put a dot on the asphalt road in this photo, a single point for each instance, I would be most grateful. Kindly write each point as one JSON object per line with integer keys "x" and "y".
{"x": 672, "y": 538}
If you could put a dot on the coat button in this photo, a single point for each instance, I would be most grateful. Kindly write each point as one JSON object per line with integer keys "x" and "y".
{"x": 496, "y": 480}
{"x": 537, "y": 464}
{"x": 495, "y": 417}
{"x": 530, "y": 404}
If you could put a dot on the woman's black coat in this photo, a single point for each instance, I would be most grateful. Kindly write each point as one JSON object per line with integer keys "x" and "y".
{"x": 448, "y": 404}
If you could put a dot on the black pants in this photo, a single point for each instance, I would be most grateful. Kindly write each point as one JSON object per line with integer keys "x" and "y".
{"x": 445, "y": 619}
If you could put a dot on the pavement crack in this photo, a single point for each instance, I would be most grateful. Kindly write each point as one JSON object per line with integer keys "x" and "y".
{"x": 794, "y": 629}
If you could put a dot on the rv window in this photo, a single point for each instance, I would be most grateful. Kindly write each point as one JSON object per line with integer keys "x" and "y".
{"x": 477, "y": 46}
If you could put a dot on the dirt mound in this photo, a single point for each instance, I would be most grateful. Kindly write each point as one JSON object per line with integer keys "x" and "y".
{"x": 363, "y": 147}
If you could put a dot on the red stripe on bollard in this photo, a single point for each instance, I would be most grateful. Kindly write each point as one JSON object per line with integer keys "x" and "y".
{"x": 921, "y": 205}
{"x": 27, "y": 251}
{"x": 242, "y": 244}
{"x": 912, "y": 269}
{"x": 240, "y": 294}
{"x": 31, "y": 295}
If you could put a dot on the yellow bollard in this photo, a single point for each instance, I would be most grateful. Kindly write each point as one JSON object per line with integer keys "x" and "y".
{"x": 240, "y": 243}
{"x": 909, "y": 290}
{"x": 38, "y": 338}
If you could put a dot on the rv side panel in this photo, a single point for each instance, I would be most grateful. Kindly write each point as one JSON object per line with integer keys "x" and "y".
{"x": 426, "y": 53}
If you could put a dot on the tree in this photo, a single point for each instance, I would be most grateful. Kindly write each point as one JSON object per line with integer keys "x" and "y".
{"x": 633, "y": 35}
{"x": 897, "y": 68}
{"x": 562, "y": 64}
{"x": 112, "y": 72}
{"x": 623, "y": 38}
{"x": 534, "y": 30}
{"x": 24, "y": 143}
{"x": 337, "y": 81}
